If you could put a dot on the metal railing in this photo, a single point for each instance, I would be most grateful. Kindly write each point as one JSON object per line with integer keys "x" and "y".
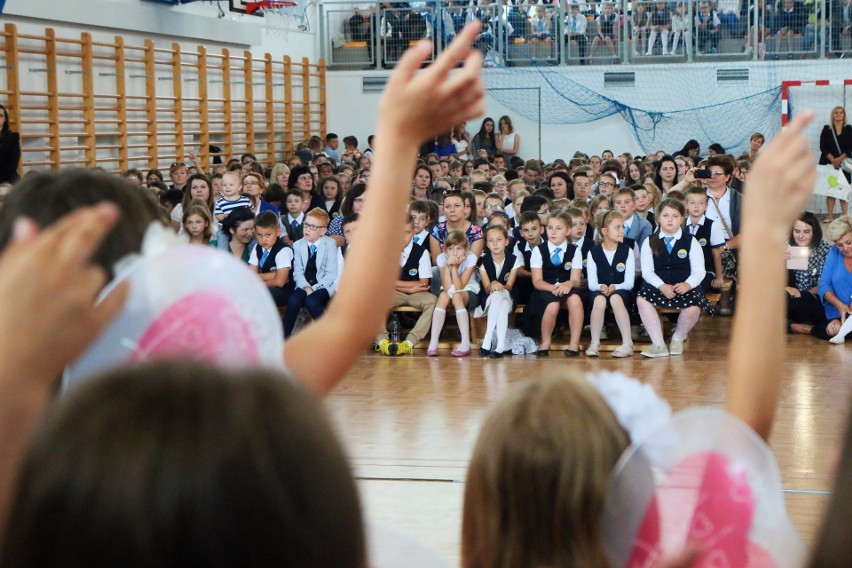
{"x": 373, "y": 35}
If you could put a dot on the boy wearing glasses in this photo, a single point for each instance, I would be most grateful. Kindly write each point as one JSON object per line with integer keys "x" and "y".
{"x": 314, "y": 270}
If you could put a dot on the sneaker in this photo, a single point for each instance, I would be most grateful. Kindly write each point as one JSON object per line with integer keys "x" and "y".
{"x": 405, "y": 348}
{"x": 624, "y": 350}
{"x": 592, "y": 350}
{"x": 383, "y": 347}
{"x": 676, "y": 347}
{"x": 655, "y": 351}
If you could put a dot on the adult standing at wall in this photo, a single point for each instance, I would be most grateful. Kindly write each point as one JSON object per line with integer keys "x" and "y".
{"x": 835, "y": 145}
{"x": 10, "y": 149}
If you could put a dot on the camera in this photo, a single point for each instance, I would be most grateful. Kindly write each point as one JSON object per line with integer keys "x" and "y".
{"x": 703, "y": 174}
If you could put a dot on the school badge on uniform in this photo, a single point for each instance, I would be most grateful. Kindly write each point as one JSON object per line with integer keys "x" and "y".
{"x": 412, "y": 272}
{"x": 702, "y": 242}
{"x": 620, "y": 267}
{"x": 682, "y": 253}
{"x": 568, "y": 266}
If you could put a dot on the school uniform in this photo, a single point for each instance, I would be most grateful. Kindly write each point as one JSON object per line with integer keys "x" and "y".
{"x": 320, "y": 202}
{"x": 545, "y": 257}
{"x": 422, "y": 239}
{"x": 415, "y": 264}
{"x": 277, "y": 257}
{"x": 709, "y": 235}
{"x": 652, "y": 219}
{"x": 637, "y": 229}
{"x": 523, "y": 285}
{"x": 497, "y": 273}
{"x": 616, "y": 267}
{"x": 293, "y": 225}
{"x": 680, "y": 260}
{"x": 314, "y": 266}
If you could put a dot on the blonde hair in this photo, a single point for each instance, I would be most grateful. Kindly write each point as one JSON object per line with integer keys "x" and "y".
{"x": 839, "y": 228}
{"x": 198, "y": 207}
{"x": 831, "y": 116}
{"x": 276, "y": 169}
{"x": 455, "y": 239}
{"x": 654, "y": 192}
{"x": 539, "y": 477}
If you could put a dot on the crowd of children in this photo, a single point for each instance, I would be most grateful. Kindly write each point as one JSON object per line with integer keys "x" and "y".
{"x": 567, "y": 258}
{"x": 172, "y": 464}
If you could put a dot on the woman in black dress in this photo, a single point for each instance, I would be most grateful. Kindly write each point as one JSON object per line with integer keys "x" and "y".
{"x": 835, "y": 145}
{"x": 10, "y": 150}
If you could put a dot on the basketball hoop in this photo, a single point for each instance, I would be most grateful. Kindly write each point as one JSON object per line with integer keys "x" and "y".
{"x": 279, "y": 15}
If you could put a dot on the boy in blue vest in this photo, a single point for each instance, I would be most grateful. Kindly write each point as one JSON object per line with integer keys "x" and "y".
{"x": 271, "y": 258}
{"x": 314, "y": 269}
{"x": 710, "y": 235}
{"x": 412, "y": 289}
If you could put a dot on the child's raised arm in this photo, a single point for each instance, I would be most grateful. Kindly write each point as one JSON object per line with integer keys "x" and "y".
{"x": 415, "y": 107}
{"x": 779, "y": 186}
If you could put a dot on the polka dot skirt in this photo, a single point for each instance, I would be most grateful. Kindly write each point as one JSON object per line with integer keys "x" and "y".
{"x": 694, "y": 297}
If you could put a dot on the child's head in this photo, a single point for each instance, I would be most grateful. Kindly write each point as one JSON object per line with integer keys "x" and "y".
{"x": 493, "y": 204}
{"x": 191, "y": 432}
{"x": 266, "y": 229}
{"x": 216, "y": 185}
{"x": 330, "y": 189}
{"x": 670, "y": 215}
{"x": 558, "y": 227}
{"x": 625, "y": 202}
{"x": 231, "y": 185}
{"x": 501, "y": 186}
{"x": 678, "y": 196}
{"x": 496, "y": 239}
{"x": 456, "y": 243}
{"x": 539, "y": 477}
{"x": 315, "y": 225}
{"x": 578, "y": 223}
{"x": 500, "y": 219}
{"x": 559, "y": 205}
{"x": 582, "y": 184}
{"x": 294, "y": 202}
{"x": 530, "y": 226}
{"x": 607, "y": 184}
{"x": 696, "y": 202}
{"x": 171, "y": 199}
{"x": 516, "y": 187}
{"x": 408, "y": 229}
{"x": 582, "y": 205}
{"x": 197, "y": 220}
{"x": 610, "y": 225}
{"x": 421, "y": 215}
{"x": 349, "y": 226}
{"x": 598, "y": 202}
{"x": 537, "y": 204}
{"x": 643, "y": 198}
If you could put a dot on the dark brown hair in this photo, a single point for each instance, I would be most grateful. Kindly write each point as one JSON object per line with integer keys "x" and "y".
{"x": 177, "y": 464}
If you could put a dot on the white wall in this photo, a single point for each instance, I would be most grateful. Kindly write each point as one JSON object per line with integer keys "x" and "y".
{"x": 352, "y": 112}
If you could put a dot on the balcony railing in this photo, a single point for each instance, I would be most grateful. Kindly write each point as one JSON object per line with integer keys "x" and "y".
{"x": 374, "y": 35}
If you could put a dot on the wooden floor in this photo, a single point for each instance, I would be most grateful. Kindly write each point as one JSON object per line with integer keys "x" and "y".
{"x": 409, "y": 424}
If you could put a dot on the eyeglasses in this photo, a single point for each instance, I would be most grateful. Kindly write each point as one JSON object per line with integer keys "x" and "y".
{"x": 313, "y": 227}
{"x": 501, "y": 184}
{"x": 492, "y": 207}
{"x": 250, "y": 182}
{"x": 606, "y": 184}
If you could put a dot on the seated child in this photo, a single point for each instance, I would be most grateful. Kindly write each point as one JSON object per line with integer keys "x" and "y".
{"x": 644, "y": 204}
{"x": 459, "y": 286}
{"x": 198, "y": 224}
{"x": 231, "y": 198}
{"x": 497, "y": 270}
{"x": 294, "y": 218}
{"x": 412, "y": 289}
{"x": 421, "y": 216}
{"x": 271, "y": 258}
{"x": 611, "y": 270}
{"x": 314, "y": 270}
{"x": 636, "y": 229}
{"x": 710, "y": 235}
{"x": 557, "y": 267}
{"x": 349, "y": 226}
{"x": 579, "y": 234}
{"x": 531, "y": 230}
{"x": 672, "y": 271}
{"x": 494, "y": 204}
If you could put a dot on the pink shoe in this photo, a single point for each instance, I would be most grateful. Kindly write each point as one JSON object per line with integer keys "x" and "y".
{"x": 431, "y": 352}
{"x": 459, "y": 353}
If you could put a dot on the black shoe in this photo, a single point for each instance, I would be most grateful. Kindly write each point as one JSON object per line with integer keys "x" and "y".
{"x": 542, "y": 353}
{"x": 483, "y": 352}
{"x": 496, "y": 355}
{"x": 571, "y": 353}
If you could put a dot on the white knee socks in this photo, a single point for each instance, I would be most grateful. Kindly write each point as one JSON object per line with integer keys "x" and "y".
{"x": 438, "y": 317}
{"x": 464, "y": 328}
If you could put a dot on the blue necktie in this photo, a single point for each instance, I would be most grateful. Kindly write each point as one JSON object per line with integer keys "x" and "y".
{"x": 669, "y": 243}
{"x": 295, "y": 226}
{"x": 314, "y": 249}
{"x": 626, "y": 229}
{"x": 555, "y": 258}
{"x": 263, "y": 258}
{"x": 416, "y": 240}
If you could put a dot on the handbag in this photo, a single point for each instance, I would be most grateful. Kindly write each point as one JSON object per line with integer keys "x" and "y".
{"x": 729, "y": 257}
{"x": 845, "y": 163}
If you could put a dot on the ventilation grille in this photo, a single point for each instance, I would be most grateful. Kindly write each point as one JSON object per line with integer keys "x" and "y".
{"x": 373, "y": 84}
{"x": 732, "y": 76}
{"x": 627, "y": 79}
